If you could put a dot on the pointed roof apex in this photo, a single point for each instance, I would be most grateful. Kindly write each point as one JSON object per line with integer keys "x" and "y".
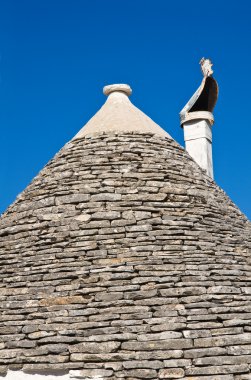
{"x": 119, "y": 115}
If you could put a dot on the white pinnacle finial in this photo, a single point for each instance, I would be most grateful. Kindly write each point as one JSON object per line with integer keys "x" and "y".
{"x": 206, "y": 67}
{"x": 125, "y": 88}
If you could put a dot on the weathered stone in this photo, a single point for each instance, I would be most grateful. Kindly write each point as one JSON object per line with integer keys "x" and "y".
{"x": 223, "y": 290}
{"x": 10, "y": 330}
{"x": 235, "y": 322}
{"x": 104, "y": 296}
{"x": 106, "y": 197}
{"x": 213, "y": 377}
{"x": 9, "y": 354}
{"x": 171, "y": 373}
{"x": 169, "y": 344}
{"x": 56, "y": 348}
{"x": 204, "y": 325}
{"x": 3, "y": 370}
{"x": 90, "y": 373}
{"x": 138, "y": 295}
{"x": 111, "y": 337}
{"x": 222, "y": 369}
{"x": 106, "y": 215}
{"x": 140, "y": 373}
{"x": 95, "y": 347}
{"x": 192, "y": 334}
{"x": 20, "y": 344}
{"x": 169, "y": 326}
{"x": 223, "y": 340}
{"x": 227, "y": 331}
{"x": 83, "y": 218}
{"x": 122, "y": 356}
{"x": 153, "y": 364}
{"x": 72, "y": 198}
{"x": 40, "y": 334}
{"x": 177, "y": 363}
{"x": 64, "y": 300}
{"x": 163, "y": 335}
{"x": 201, "y": 352}
{"x": 220, "y": 360}
{"x": 239, "y": 350}
{"x": 30, "y": 328}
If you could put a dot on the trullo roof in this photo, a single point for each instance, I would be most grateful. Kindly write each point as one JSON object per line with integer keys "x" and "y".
{"x": 122, "y": 259}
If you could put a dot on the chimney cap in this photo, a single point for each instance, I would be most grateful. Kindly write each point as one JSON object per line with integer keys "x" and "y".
{"x": 204, "y": 98}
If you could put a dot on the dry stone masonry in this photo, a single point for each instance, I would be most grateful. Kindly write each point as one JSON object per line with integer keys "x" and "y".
{"x": 123, "y": 260}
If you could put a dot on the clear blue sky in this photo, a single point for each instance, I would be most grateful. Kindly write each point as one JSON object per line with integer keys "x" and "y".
{"x": 56, "y": 55}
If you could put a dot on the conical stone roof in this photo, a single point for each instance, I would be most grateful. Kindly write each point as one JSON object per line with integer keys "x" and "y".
{"x": 123, "y": 259}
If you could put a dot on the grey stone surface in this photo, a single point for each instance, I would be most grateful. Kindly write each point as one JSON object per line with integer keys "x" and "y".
{"x": 122, "y": 258}
{"x": 171, "y": 373}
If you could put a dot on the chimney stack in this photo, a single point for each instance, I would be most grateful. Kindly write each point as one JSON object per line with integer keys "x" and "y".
{"x": 196, "y": 119}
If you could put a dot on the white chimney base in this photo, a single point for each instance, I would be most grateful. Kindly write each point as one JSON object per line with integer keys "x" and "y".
{"x": 198, "y": 140}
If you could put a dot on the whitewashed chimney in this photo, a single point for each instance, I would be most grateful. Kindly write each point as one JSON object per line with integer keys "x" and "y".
{"x": 197, "y": 119}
